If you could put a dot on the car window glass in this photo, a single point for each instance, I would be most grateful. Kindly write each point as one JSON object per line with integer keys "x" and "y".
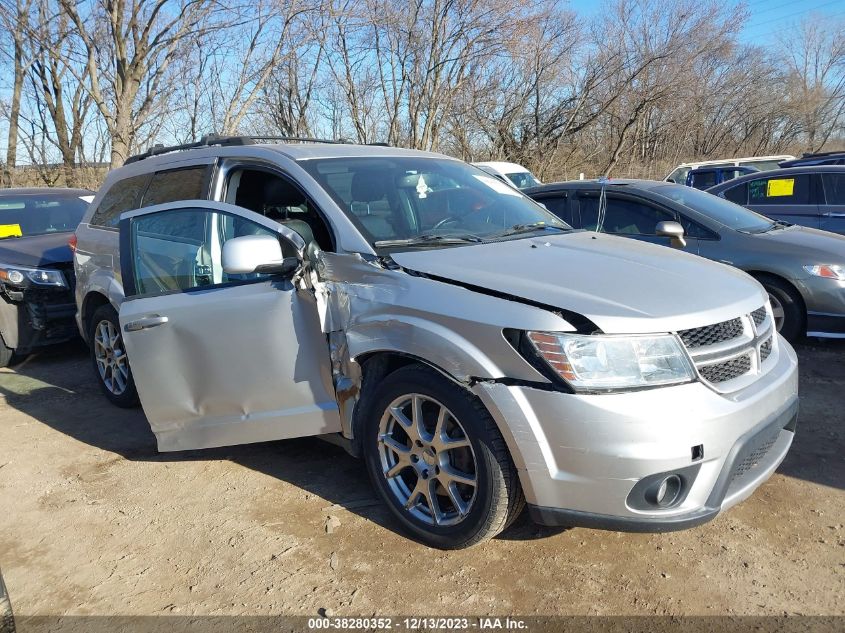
{"x": 738, "y": 194}
{"x": 39, "y": 214}
{"x": 703, "y": 179}
{"x": 557, "y": 205}
{"x": 693, "y": 229}
{"x": 123, "y": 196}
{"x": 181, "y": 249}
{"x": 523, "y": 179}
{"x": 780, "y": 190}
{"x": 404, "y": 198}
{"x": 624, "y": 217}
{"x": 834, "y": 188}
{"x": 174, "y": 185}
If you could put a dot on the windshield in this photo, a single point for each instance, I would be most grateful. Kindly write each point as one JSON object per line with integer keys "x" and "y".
{"x": 428, "y": 201}
{"x": 37, "y": 214}
{"x": 523, "y": 179}
{"x": 722, "y": 211}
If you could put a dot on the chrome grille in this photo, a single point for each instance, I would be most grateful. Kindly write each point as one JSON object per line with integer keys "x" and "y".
{"x": 711, "y": 334}
{"x": 728, "y": 370}
{"x": 729, "y": 355}
{"x": 766, "y": 349}
{"x": 759, "y": 315}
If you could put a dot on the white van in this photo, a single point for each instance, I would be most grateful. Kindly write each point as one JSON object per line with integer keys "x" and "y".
{"x": 763, "y": 163}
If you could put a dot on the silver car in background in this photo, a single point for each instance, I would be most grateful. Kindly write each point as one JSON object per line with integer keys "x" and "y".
{"x": 477, "y": 352}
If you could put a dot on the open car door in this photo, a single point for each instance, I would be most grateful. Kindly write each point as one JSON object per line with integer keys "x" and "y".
{"x": 220, "y": 358}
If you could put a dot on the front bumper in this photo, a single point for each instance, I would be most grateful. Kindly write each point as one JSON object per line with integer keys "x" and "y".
{"x": 825, "y": 300}
{"x": 580, "y": 457}
{"x": 33, "y": 318}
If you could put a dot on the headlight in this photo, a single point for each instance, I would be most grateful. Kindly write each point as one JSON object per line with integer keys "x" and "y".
{"x": 22, "y": 276}
{"x": 829, "y": 271}
{"x": 614, "y": 362}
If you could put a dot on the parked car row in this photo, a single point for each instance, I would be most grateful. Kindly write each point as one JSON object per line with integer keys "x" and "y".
{"x": 479, "y": 351}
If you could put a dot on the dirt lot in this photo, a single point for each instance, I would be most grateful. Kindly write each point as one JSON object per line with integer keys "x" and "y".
{"x": 94, "y": 521}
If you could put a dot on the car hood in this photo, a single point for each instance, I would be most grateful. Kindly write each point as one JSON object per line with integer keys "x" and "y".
{"x": 36, "y": 250}
{"x": 621, "y": 285}
{"x": 808, "y": 246}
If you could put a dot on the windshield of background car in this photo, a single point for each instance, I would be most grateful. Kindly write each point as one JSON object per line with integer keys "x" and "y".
{"x": 37, "y": 214}
{"x": 523, "y": 179}
{"x": 722, "y": 211}
{"x": 404, "y": 198}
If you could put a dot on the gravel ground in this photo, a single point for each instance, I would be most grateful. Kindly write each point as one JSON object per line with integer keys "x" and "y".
{"x": 95, "y": 522}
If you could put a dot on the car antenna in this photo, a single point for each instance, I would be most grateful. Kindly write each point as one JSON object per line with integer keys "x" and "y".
{"x": 602, "y": 204}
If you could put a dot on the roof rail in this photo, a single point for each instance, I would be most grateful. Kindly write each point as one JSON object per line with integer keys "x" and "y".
{"x": 819, "y": 154}
{"x": 215, "y": 139}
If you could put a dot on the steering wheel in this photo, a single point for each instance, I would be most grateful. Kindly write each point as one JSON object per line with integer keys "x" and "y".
{"x": 447, "y": 220}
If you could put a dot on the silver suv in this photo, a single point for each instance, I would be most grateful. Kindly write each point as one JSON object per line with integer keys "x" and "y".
{"x": 476, "y": 351}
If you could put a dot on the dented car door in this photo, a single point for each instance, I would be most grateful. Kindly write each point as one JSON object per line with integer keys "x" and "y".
{"x": 219, "y": 358}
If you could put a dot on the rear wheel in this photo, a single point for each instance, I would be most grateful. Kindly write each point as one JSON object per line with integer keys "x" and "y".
{"x": 108, "y": 356}
{"x": 435, "y": 456}
{"x": 787, "y": 307}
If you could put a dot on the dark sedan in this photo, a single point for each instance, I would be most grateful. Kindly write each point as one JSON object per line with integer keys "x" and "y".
{"x": 802, "y": 269}
{"x": 36, "y": 267}
{"x": 813, "y": 196}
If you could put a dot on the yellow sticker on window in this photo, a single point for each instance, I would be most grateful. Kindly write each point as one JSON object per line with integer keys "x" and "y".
{"x": 780, "y": 187}
{"x": 10, "y": 230}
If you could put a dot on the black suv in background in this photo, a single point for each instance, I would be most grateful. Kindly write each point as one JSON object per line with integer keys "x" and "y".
{"x": 810, "y": 196}
{"x": 36, "y": 267}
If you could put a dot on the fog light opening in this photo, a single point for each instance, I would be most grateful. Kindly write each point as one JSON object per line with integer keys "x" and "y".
{"x": 665, "y": 492}
{"x": 668, "y": 491}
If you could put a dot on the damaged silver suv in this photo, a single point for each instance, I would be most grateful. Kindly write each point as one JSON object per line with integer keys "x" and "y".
{"x": 477, "y": 352}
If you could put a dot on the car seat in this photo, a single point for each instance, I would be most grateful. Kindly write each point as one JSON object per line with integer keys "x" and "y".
{"x": 369, "y": 187}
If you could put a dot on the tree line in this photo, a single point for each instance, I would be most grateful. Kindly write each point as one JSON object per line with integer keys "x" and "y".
{"x": 639, "y": 87}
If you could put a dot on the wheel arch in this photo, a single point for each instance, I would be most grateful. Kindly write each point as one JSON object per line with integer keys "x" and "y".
{"x": 92, "y": 302}
{"x": 761, "y": 275}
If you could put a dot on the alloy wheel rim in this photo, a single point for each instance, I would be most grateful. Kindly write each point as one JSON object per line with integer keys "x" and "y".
{"x": 111, "y": 357}
{"x": 777, "y": 311}
{"x": 427, "y": 460}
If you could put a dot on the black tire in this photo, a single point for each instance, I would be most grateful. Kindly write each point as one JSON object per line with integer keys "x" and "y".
{"x": 128, "y": 397}
{"x": 6, "y": 353}
{"x": 794, "y": 314}
{"x": 7, "y": 619}
{"x": 497, "y": 498}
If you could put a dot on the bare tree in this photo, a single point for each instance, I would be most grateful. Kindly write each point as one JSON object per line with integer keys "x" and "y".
{"x": 129, "y": 47}
{"x": 814, "y": 55}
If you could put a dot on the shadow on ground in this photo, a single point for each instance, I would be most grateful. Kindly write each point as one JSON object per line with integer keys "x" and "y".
{"x": 57, "y": 388}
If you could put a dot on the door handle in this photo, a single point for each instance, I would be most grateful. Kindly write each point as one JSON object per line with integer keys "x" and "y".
{"x": 145, "y": 323}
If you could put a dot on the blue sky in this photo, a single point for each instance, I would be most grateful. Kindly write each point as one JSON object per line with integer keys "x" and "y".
{"x": 768, "y": 19}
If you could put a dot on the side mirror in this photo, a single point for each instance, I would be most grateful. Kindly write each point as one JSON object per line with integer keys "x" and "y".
{"x": 256, "y": 254}
{"x": 671, "y": 230}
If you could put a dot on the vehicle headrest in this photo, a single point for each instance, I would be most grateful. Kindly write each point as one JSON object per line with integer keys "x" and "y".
{"x": 280, "y": 193}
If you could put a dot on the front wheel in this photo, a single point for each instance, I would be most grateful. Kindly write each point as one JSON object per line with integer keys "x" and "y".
{"x": 108, "y": 356}
{"x": 787, "y": 307}
{"x": 438, "y": 461}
